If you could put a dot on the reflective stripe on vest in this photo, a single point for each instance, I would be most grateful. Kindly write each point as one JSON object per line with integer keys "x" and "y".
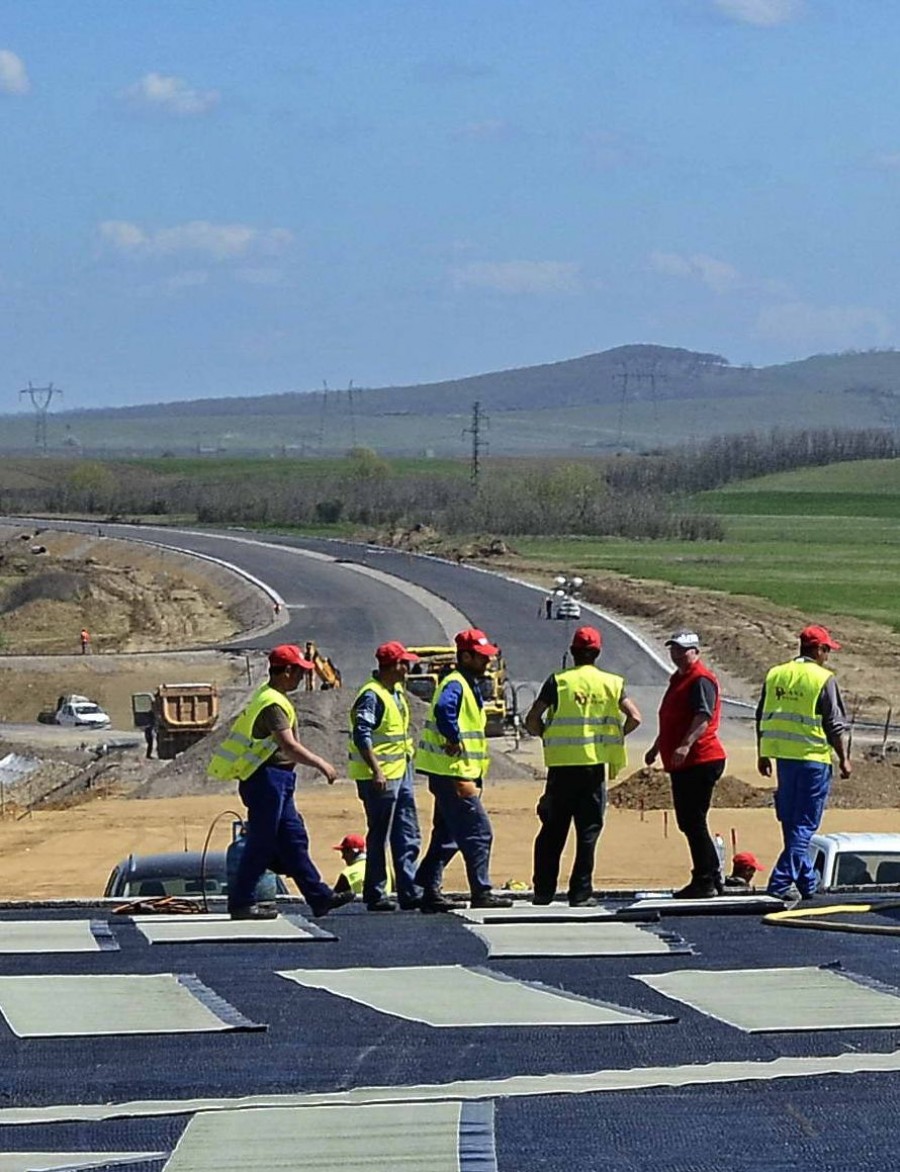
{"x": 585, "y": 726}
{"x": 391, "y": 742}
{"x": 240, "y": 754}
{"x": 474, "y": 760}
{"x": 790, "y": 727}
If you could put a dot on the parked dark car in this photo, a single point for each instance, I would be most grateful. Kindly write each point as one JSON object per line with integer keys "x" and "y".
{"x": 178, "y": 873}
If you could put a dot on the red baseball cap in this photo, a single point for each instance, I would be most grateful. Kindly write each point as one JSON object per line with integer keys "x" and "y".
{"x": 395, "y": 653}
{"x": 587, "y": 639}
{"x": 288, "y": 655}
{"x": 351, "y": 842}
{"x": 747, "y": 859}
{"x": 819, "y": 637}
{"x": 475, "y": 640}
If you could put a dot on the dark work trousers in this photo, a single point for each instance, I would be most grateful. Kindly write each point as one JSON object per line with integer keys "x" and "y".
{"x": 799, "y": 804}
{"x": 573, "y": 793}
{"x": 692, "y": 791}
{"x": 391, "y": 820}
{"x": 458, "y": 824}
{"x": 276, "y": 838}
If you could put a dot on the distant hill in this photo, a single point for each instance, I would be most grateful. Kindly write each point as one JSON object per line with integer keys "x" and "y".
{"x": 630, "y": 397}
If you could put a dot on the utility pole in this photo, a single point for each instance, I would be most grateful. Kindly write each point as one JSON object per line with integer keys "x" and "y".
{"x": 479, "y": 420}
{"x": 41, "y": 398}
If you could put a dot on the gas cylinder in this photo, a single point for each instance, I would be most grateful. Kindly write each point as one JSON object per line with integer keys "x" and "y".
{"x": 267, "y": 888}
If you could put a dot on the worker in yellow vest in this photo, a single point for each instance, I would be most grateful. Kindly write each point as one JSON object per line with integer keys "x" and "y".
{"x": 353, "y": 854}
{"x": 260, "y": 753}
{"x": 582, "y": 716}
{"x": 453, "y": 753}
{"x": 381, "y": 763}
{"x": 800, "y": 719}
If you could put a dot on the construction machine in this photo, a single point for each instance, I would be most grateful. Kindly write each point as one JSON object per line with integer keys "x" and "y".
{"x": 181, "y": 715}
{"x": 322, "y": 666}
{"x": 495, "y": 687}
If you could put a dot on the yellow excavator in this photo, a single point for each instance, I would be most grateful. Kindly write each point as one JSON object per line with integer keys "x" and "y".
{"x": 329, "y": 676}
{"x": 496, "y": 691}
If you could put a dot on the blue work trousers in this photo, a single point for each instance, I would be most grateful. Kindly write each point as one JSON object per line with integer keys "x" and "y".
{"x": 276, "y": 839}
{"x": 458, "y": 824}
{"x": 799, "y": 804}
{"x": 391, "y": 818}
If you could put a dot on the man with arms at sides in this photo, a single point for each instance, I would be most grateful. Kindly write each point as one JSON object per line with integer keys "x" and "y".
{"x": 800, "y": 718}
{"x": 583, "y": 716}
{"x": 453, "y": 753}
{"x": 260, "y": 753}
{"x": 693, "y": 756}
{"x": 381, "y": 763}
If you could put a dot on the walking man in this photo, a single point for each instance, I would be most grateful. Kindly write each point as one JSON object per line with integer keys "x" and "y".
{"x": 800, "y": 718}
{"x": 260, "y": 753}
{"x": 583, "y": 716}
{"x": 692, "y": 755}
{"x": 453, "y": 753}
{"x": 381, "y": 764}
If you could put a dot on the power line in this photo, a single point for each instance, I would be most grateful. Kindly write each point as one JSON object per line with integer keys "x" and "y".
{"x": 479, "y": 445}
{"x": 41, "y": 398}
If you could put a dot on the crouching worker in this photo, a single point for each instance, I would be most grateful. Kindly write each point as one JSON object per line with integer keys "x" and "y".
{"x": 260, "y": 753}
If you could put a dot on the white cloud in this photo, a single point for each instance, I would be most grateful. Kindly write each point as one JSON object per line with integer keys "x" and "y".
{"x": 13, "y": 75}
{"x": 717, "y": 275}
{"x": 519, "y": 276}
{"x": 824, "y": 329}
{"x": 221, "y": 242}
{"x": 170, "y": 95}
{"x": 762, "y": 13}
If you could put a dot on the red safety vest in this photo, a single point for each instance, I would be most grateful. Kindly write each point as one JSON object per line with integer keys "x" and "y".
{"x": 676, "y": 714}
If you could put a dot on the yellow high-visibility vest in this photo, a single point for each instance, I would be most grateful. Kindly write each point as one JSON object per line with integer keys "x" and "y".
{"x": 790, "y": 727}
{"x": 355, "y": 874}
{"x": 240, "y": 754}
{"x": 586, "y": 725}
{"x": 474, "y": 760}
{"x": 391, "y": 741}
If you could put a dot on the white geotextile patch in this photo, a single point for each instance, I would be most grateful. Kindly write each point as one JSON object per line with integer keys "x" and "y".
{"x": 566, "y": 939}
{"x": 767, "y": 1000}
{"x": 70, "y": 1161}
{"x": 60, "y": 1006}
{"x": 47, "y": 936}
{"x": 452, "y": 995}
{"x": 667, "y": 906}
{"x": 194, "y": 929}
{"x": 528, "y": 911}
{"x": 407, "y": 1137}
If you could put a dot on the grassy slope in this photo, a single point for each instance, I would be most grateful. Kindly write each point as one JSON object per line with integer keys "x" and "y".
{"x": 822, "y": 540}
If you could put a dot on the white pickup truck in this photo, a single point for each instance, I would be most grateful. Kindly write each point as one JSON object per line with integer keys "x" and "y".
{"x": 77, "y": 712}
{"x": 855, "y": 860}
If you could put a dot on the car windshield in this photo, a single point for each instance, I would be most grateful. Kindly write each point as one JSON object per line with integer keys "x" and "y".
{"x": 175, "y": 885}
{"x": 88, "y": 710}
{"x": 861, "y": 867}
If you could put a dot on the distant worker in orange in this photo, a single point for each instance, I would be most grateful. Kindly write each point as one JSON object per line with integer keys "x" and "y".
{"x": 85, "y": 642}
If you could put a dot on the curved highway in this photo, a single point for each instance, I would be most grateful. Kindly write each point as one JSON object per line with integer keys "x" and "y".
{"x": 350, "y": 597}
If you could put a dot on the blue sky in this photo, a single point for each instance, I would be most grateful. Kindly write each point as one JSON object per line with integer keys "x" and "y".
{"x": 249, "y": 196}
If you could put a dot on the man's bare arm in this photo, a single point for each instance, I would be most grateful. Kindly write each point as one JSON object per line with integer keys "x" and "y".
{"x": 292, "y": 748}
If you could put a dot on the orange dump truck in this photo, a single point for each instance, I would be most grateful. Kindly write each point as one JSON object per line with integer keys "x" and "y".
{"x": 181, "y": 715}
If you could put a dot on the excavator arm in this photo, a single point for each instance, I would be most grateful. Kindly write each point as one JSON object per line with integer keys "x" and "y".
{"x": 329, "y": 675}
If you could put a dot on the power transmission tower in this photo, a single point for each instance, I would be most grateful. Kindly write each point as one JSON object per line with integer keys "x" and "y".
{"x": 352, "y": 414}
{"x": 479, "y": 445}
{"x": 41, "y": 398}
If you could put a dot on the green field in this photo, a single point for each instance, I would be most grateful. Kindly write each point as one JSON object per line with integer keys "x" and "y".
{"x": 825, "y": 552}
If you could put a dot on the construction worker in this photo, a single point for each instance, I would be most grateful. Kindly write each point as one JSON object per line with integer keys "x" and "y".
{"x": 744, "y": 867}
{"x": 693, "y": 757}
{"x": 800, "y": 718}
{"x": 453, "y": 753}
{"x": 381, "y": 763}
{"x": 583, "y": 716}
{"x": 353, "y": 852}
{"x": 260, "y": 753}
{"x": 85, "y": 641}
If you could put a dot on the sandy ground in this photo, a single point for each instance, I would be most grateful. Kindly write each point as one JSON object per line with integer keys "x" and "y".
{"x": 128, "y": 596}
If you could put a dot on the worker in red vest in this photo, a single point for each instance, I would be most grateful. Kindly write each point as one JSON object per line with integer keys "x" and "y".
{"x": 693, "y": 757}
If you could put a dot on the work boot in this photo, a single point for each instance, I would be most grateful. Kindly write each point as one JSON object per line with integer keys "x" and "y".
{"x": 338, "y": 899}
{"x": 491, "y": 900}
{"x": 697, "y": 889}
{"x": 436, "y": 901}
{"x": 382, "y": 905}
{"x": 588, "y": 901}
{"x": 255, "y": 911}
{"x": 541, "y": 900}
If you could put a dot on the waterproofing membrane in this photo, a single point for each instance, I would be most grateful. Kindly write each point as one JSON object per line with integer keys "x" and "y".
{"x": 71, "y": 1161}
{"x": 453, "y": 995}
{"x": 161, "y": 1003}
{"x": 720, "y": 905}
{"x": 771, "y": 1000}
{"x": 220, "y": 927}
{"x": 28, "y": 936}
{"x": 567, "y": 939}
{"x": 525, "y": 912}
{"x": 412, "y": 1136}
